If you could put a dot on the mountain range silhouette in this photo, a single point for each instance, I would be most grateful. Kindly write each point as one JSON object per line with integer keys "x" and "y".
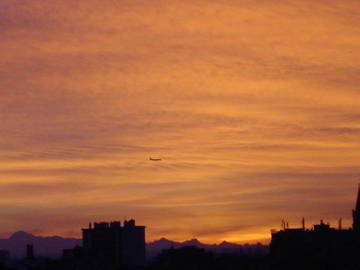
{"x": 155, "y": 247}
{"x": 52, "y": 246}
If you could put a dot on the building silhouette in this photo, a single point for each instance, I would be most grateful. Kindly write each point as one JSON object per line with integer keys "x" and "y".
{"x": 115, "y": 245}
{"x": 356, "y": 213}
{"x": 4, "y": 258}
{"x": 29, "y": 251}
{"x": 322, "y": 245}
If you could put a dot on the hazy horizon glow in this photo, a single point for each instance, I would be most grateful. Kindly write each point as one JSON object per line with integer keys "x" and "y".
{"x": 254, "y": 107}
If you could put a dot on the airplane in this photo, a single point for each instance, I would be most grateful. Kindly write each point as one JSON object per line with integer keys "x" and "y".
{"x": 155, "y": 159}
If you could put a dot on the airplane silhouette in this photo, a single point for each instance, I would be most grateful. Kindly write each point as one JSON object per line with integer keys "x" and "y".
{"x": 155, "y": 159}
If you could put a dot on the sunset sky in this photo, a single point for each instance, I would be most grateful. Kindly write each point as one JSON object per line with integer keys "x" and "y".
{"x": 254, "y": 107}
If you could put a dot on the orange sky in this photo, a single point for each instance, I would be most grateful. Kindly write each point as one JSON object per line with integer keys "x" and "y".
{"x": 254, "y": 107}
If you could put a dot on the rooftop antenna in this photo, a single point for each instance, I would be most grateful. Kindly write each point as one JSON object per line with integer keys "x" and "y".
{"x": 340, "y": 224}
{"x": 303, "y": 223}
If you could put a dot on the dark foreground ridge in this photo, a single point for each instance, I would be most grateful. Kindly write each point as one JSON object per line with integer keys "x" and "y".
{"x": 114, "y": 246}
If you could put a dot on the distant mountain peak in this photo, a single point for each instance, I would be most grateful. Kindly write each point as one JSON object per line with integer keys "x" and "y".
{"x": 21, "y": 235}
{"x": 49, "y": 246}
{"x": 163, "y": 239}
{"x": 193, "y": 241}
